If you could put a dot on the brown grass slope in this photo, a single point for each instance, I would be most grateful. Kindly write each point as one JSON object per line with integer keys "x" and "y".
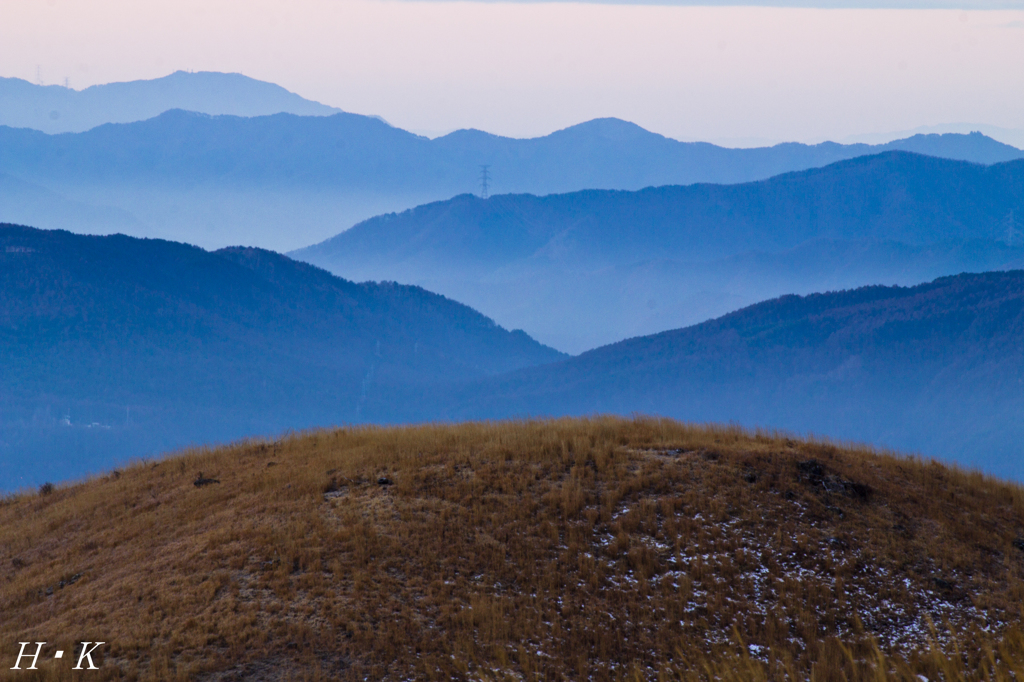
{"x": 574, "y": 549}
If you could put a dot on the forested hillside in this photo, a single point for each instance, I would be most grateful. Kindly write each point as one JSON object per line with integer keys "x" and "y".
{"x": 116, "y": 347}
{"x": 937, "y": 369}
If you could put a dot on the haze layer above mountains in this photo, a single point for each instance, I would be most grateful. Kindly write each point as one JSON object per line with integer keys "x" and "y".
{"x": 583, "y": 269}
{"x": 117, "y": 347}
{"x": 285, "y": 181}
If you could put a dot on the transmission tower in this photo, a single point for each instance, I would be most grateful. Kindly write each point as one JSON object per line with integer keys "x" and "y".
{"x": 485, "y": 181}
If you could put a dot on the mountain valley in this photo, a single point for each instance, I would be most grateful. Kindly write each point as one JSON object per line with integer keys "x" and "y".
{"x": 589, "y": 268}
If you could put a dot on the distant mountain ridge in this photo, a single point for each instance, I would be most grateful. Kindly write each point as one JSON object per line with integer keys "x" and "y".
{"x": 114, "y": 347}
{"x": 582, "y": 269}
{"x": 57, "y": 109}
{"x": 905, "y": 197}
{"x": 936, "y": 368}
{"x": 285, "y": 181}
{"x": 1010, "y": 136}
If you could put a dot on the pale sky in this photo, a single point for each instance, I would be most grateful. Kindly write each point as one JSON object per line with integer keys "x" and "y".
{"x": 526, "y": 69}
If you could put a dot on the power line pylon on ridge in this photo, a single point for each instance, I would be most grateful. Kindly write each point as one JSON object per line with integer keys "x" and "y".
{"x": 485, "y": 181}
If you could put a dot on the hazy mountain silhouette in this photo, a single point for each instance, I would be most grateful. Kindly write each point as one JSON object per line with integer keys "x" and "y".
{"x": 57, "y": 109}
{"x": 1010, "y": 136}
{"x": 937, "y": 368}
{"x": 286, "y": 181}
{"x": 586, "y": 268}
{"x": 145, "y": 345}
{"x": 19, "y": 198}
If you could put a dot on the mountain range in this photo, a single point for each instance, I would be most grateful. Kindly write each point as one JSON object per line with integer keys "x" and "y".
{"x": 120, "y": 347}
{"x": 423, "y": 485}
{"x": 115, "y": 347}
{"x": 60, "y": 109}
{"x": 286, "y": 181}
{"x": 584, "y": 269}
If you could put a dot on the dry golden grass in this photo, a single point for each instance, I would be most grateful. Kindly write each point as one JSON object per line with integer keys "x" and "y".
{"x": 570, "y": 549}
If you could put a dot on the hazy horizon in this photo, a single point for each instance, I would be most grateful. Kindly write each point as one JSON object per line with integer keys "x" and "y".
{"x": 1013, "y": 137}
{"x": 738, "y": 76}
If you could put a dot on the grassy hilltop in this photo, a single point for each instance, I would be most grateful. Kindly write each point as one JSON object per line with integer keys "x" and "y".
{"x": 573, "y": 549}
